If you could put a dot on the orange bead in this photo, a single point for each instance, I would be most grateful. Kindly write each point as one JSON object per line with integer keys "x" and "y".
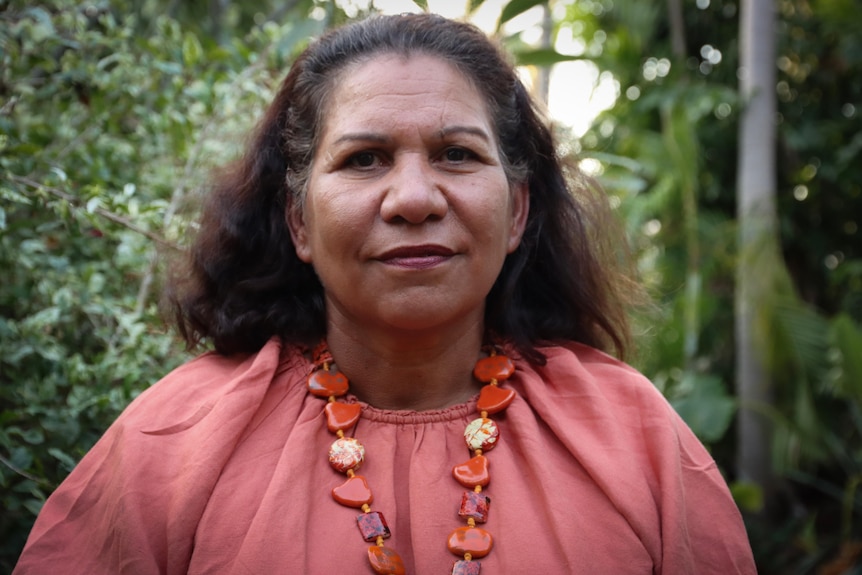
{"x": 341, "y": 415}
{"x": 324, "y": 383}
{"x": 473, "y": 540}
{"x": 353, "y": 493}
{"x": 497, "y": 367}
{"x": 385, "y": 561}
{"x": 472, "y": 473}
{"x": 494, "y": 399}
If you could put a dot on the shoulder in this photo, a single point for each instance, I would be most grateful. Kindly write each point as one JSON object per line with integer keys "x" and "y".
{"x": 581, "y": 388}
{"x": 195, "y": 388}
{"x": 578, "y": 369}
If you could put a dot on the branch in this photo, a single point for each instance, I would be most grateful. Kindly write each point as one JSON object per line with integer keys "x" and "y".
{"x": 23, "y": 473}
{"x": 108, "y": 215}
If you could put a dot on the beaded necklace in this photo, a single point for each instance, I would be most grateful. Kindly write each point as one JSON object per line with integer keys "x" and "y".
{"x": 346, "y": 454}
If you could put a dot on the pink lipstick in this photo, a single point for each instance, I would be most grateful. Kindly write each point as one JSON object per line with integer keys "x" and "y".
{"x": 416, "y": 257}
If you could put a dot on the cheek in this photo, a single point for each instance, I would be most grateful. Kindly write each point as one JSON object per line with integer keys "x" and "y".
{"x": 338, "y": 221}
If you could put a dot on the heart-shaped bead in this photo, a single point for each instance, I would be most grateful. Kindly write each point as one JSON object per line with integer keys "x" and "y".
{"x": 494, "y": 399}
{"x": 341, "y": 415}
{"x": 353, "y": 493}
{"x": 473, "y": 472}
{"x": 324, "y": 383}
{"x": 497, "y": 367}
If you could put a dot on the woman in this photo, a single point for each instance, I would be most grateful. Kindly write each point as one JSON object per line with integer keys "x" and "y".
{"x": 396, "y": 258}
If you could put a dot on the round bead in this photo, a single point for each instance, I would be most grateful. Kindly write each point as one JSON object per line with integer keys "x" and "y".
{"x": 481, "y": 433}
{"x": 346, "y": 453}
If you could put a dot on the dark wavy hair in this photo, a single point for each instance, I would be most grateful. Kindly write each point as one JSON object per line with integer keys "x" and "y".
{"x": 243, "y": 283}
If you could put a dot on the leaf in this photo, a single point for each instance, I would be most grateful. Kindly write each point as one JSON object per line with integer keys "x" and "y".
{"x": 474, "y": 5}
{"x": 423, "y": 4}
{"x": 847, "y": 338}
{"x": 192, "y": 50}
{"x": 542, "y": 57}
{"x": 68, "y": 462}
{"x": 34, "y": 506}
{"x": 800, "y": 336}
{"x": 706, "y": 408}
{"x": 748, "y": 496}
{"x": 515, "y": 8}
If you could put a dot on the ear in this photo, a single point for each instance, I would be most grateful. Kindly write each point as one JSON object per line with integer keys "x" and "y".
{"x": 520, "y": 210}
{"x": 298, "y": 232}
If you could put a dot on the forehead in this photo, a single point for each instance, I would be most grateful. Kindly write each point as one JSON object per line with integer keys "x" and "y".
{"x": 390, "y": 89}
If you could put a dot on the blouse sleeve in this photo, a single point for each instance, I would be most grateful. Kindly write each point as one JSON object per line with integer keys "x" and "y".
{"x": 131, "y": 505}
{"x": 702, "y": 528}
{"x": 646, "y": 460}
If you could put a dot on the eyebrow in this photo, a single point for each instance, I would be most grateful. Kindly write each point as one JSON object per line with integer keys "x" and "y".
{"x": 382, "y": 139}
{"x": 362, "y": 137}
{"x": 449, "y": 130}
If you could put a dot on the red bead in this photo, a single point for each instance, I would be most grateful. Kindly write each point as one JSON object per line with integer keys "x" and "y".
{"x": 346, "y": 453}
{"x": 497, "y": 367}
{"x": 341, "y": 416}
{"x": 481, "y": 433}
{"x": 494, "y": 399}
{"x": 475, "y": 505}
{"x": 466, "y": 568}
{"x": 472, "y": 473}
{"x": 324, "y": 383}
{"x": 373, "y": 525}
{"x": 473, "y": 540}
{"x": 353, "y": 493}
{"x": 385, "y": 561}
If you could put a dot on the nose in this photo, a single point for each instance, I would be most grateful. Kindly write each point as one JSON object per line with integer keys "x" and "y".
{"x": 413, "y": 192}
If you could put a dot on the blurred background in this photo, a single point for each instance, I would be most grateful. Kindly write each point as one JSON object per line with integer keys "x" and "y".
{"x": 734, "y": 159}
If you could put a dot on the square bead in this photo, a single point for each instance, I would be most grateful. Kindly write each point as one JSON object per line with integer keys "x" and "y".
{"x": 466, "y": 568}
{"x": 475, "y": 505}
{"x": 372, "y": 525}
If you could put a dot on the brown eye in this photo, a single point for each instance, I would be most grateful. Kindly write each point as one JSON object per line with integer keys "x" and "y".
{"x": 456, "y": 155}
{"x": 363, "y": 160}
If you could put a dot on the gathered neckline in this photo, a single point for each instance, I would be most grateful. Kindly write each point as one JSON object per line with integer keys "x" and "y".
{"x": 408, "y": 416}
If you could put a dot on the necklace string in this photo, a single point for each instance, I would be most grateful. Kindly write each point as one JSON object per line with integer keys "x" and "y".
{"x": 346, "y": 454}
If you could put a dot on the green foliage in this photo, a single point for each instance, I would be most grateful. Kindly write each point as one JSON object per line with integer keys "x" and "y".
{"x": 111, "y": 119}
{"x": 515, "y": 8}
{"x": 667, "y": 154}
{"x": 112, "y": 113}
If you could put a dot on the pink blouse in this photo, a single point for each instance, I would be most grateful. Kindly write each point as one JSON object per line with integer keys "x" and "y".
{"x": 222, "y": 467}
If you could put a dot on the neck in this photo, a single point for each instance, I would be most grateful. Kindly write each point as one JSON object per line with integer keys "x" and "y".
{"x": 408, "y": 372}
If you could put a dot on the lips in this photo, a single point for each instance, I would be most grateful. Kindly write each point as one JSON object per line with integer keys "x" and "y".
{"x": 416, "y": 257}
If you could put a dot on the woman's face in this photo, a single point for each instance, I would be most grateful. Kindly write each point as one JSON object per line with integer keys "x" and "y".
{"x": 408, "y": 214}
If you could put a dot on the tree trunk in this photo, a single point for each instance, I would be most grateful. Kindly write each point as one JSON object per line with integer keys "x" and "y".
{"x": 544, "y": 72}
{"x": 757, "y": 220}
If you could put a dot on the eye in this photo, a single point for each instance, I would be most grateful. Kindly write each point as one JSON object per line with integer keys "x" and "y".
{"x": 457, "y": 155}
{"x": 363, "y": 160}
